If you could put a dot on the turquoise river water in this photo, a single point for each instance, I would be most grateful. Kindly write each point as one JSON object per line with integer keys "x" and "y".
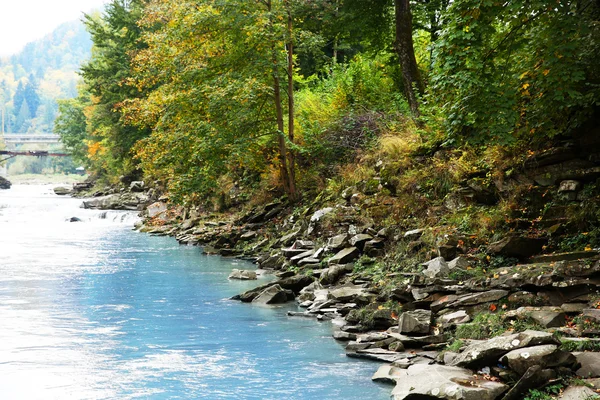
{"x": 93, "y": 310}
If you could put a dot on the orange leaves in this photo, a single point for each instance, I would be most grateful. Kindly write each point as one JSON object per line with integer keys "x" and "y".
{"x": 94, "y": 148}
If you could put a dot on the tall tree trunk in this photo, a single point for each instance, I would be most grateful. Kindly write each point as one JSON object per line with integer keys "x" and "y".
{"x": 406, "y": 54}
{"x": 290, "y": 72}
{"x": 283, "y": 153}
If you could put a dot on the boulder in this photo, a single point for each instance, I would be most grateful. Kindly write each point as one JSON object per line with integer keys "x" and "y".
{"x": 274, "y": 261}
{"x": 289, "y": 238}
{"x": 450, "y": 383}
{"x": 335, "y": 272}
{"x": 360, "y": 240}
{"x": 318, "y": 215}
{"x": 296, "y": 283}
{"x": 348, "y": 294}
{"x": 569, "y": 186}
{"x": 545, "y": 356}
{"x": 479, "y": 298}
{"x": 345, "y": 256}
{"x": 416, "y": 322}
{"x": 299, "y": 257}
{"x": 488, "y": 352}
{"x": 387, "y": 374}
{"x": 459, "y": 263}
{"x": 75, "y": 219}
{"x": 157, "y": 208}
{"x": 517, "y": 246}
{"x": 533, "y": 378}
{"x": 548, "y": 317}
{"x": 436, "y": 268}
{"x": 274, "y": 294}
{"x": 137, "y": 186}
{"x": 338, "y": 242}
{"x": 590, "y": 364}
{"x": 247, "y": 236}
{"x": 5, "y": 183}
{"x": 62, "y": 191}
{"x": 579, "y": 393}
{"x": 455, "y": 318}
{"x": 244, "y": 275}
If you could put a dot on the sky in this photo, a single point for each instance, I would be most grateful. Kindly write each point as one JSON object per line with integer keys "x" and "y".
{"x": 23, "y": 21}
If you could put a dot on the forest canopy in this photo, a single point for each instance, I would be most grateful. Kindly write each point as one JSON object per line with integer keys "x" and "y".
{"x": 212, "y": 97}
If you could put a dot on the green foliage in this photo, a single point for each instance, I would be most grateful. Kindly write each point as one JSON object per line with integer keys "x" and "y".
{"x": 115, "y": 36}
{"x": 500, "y": 73}
{"x": 548, "y": 393}
{"x": 486, "y": 325}
{"x": 580, "y": 345}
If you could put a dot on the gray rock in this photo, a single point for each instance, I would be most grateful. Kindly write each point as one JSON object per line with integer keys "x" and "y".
{"x": 345, "y": 256}
{"x": 274, "y": 261}
{"x": 244, "y": 275}
{"x": 491, "y": 350}
{"x": 455, "y": 318}
{"x": 479, "y": 298}
{"x": 299, "y": 257}
{"x": 5, "y": 183}
{"x": 347, "y": 294}
{"x": 436, "y": 268}
{"x": 548, "y": 317}
{"x": 137, "y": 186}
{"x": 248, "y": 236}
{"x": 335, "y": 272}
{"x": 338, "y": 242}
{"x": 590, "y": 364}
{"x": 289, "y": 238}
{"x": 451, "y": 383}
{"x": 579, "y": 393}
{"x": 569, "y": 185}
{"x": 546, "y": 356}
{"x": 533, "y": 378}
{"x": 155, "y": 209}
{"x": 360, "y": 240}
{"x": 417, "y": 321}
{"x": 61, "y": 190}
{"x": 274, "y": 294}
{"x": 318, "y": 215}
{"x": 517, "y": 246}
{"x": 387, "y": 374}
{"x": 304, "y": 244}
{"x": 414, "y": 234}
{"x": 459, "y": 263}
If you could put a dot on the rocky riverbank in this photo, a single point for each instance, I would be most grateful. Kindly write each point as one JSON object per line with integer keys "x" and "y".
{"x": 492, "y": 336}
{"x": 505, "y": 316}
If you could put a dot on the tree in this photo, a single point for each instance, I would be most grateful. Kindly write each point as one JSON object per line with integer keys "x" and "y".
{"x": 500, "y": 73}
{"x": 215, "y": 73}
{"x": 115, "y": 37}
{"x": 406, "y": 54}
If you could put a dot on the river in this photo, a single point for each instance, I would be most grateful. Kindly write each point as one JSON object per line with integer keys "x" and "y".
{"x": 93, "y": 310}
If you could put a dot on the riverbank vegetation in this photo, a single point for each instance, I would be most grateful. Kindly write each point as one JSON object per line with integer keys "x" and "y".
{"x": 214, "y": 97}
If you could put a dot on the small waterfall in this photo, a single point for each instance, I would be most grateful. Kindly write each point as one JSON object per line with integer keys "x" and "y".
{"x": 106, "y": 217}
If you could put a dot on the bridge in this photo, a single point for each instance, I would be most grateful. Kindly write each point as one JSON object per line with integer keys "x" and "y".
{"x": 25, "y": 138}
{"x": 13, "y": 140}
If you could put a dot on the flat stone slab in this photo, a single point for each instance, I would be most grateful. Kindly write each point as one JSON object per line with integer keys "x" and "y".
{"x": 345, "y": 256}
{"x": 490, "y": 351}
{"x": 590, "y": 364}
{"x": 579, "y": 393}
{"x": 545, "y": 356}
{"x": 244, "y": 275}
{"x": 439, "y": 381}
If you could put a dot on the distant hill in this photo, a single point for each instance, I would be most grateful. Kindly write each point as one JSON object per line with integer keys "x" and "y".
{"x": 44, "y": 71}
